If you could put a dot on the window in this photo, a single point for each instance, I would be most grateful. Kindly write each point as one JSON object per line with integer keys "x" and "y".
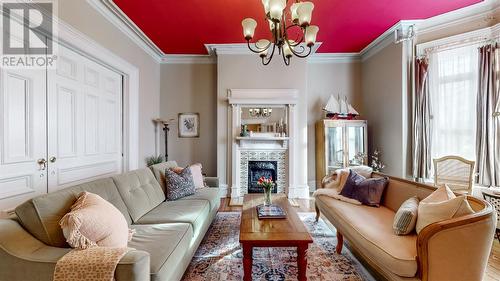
{"x": 453, "y": 82}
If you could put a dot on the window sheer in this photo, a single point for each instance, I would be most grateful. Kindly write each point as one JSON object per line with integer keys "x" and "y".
{"x": 453, "y": 83}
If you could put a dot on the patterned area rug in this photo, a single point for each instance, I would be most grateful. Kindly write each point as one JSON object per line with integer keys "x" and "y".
{"x": 219, "y": 256}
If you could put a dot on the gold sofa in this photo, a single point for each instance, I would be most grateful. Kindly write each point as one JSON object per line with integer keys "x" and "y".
{"x": 455, "y": 249}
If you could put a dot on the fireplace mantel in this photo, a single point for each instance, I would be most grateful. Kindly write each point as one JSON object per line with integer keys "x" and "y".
{"x": 284, "y": 150}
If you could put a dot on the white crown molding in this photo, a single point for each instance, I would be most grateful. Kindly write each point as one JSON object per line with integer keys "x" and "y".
{"x": 188, "y": 59}
{"x": 119, "y": 19}
{"x": 240, "y": 49}
{"x": 321, "y": 58}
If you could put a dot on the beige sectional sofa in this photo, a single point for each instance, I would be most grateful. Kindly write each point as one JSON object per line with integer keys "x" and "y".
{"x": 454, "y": 250}
{"x": 167, "y": 232}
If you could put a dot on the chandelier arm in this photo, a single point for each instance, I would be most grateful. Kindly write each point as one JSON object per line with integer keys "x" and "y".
{"x": 258, "y": 50}
{"x": 300, "y": 54}
{"x": 266, "y": 62}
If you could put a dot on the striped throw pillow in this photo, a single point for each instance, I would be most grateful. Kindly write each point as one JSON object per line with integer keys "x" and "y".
{"x": 406, "y": 217}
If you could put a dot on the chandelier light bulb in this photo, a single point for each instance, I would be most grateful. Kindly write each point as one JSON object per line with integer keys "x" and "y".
{"x": 293, "y": 10}
{"x": 276, "y": 8}
{"x": 310, "y": 36}
{"x": 249, "y": 26}
{"x": 304, "y": 12}
{"x": 286, "y": 49}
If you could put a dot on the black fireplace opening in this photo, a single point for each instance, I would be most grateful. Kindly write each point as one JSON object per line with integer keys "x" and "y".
{"x": 257, "y": 169}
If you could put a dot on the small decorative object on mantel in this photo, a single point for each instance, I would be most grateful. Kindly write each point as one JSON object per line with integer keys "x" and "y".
{"x": 267, "y": 184}
{"x": 189, "y": 125}
{"x": 244, "y": 130}
{"x": 377, "y": 165}
{"x": 338, "y": 108}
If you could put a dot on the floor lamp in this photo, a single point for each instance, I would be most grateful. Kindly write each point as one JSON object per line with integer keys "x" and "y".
{"x": 166, "y": 129}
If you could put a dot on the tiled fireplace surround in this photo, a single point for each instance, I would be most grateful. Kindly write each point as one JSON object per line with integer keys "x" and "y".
{"x": 281, "y": 150}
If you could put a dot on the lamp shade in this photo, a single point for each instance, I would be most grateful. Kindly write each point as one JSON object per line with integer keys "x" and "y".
{"x": 249, "y": 26}
{"x": 286, "y": 49}
{"x": 293, "y": 10}
{"x": 265, "y": 3}
{"x": 310, "y": 36}
{"x": 276, "y": 8}
{"x": 304, "y": 12}
{"x": 263, "y": 44}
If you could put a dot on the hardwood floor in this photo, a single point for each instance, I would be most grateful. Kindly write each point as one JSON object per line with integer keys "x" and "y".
{"x": 307, "y": 205}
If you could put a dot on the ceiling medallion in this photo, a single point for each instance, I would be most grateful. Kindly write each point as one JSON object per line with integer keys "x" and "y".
{"x": 299, "y": 27}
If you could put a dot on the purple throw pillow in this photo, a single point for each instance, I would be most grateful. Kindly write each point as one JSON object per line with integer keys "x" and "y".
{"x": 367, "y": 191}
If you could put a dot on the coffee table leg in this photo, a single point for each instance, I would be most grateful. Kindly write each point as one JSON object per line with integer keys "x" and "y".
{"x": 247, "y": 262}
{"x": 302, "y": 262}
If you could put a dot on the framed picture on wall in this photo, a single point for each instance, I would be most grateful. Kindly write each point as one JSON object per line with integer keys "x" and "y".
{"x": 189, "y": 125}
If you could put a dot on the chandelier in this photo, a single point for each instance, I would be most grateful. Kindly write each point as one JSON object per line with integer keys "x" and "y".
{"x": 276, "y": 15}
{"x": 260, "y": 112}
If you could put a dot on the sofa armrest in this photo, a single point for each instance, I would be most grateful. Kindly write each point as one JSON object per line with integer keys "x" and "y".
{"x": 457, "y": 249}
{"x": 23, "y": 257}
{"x": 212, "y": 181}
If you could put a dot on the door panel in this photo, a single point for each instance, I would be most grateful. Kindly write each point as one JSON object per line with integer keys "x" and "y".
{"x": 22, "y": 135}
{"x": 84, "y": 121}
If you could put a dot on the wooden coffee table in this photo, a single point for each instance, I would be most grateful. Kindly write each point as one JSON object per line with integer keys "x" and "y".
{"x": 289, "y": 232}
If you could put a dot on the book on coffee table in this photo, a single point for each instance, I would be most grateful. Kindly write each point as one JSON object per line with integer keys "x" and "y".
{"x": 270, "y": 212}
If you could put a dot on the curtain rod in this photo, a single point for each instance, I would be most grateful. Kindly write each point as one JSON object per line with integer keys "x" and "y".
{"x": 459, "y": 44}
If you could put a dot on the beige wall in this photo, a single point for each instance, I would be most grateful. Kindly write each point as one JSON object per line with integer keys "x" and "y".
{"x": 191, "y": 88}
{"x": 247, "y": 72}
{"x": 382, "y": 105}
{"x": 80, "y": 15}
{"x": 323, "y": 80}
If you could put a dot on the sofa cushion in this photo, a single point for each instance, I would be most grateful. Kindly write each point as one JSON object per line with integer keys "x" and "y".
{"x": 194, "y": 212}
{"x": 166, "y": 243}
{"x": 140, "y": 191}
{"x": 406, "y": 217}
{"x": 159, "y": 171}
{"x": 179, "y": 184}
{"x": 370, "y": 230}
{"x": 41, "y": 215}
{"x": 210, "y": 194}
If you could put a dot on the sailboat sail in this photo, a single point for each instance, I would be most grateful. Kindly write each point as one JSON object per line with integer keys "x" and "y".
{"x": 332, "y": 105}
{"x": 352, "y": 110}
{"x": 343, "y": 106}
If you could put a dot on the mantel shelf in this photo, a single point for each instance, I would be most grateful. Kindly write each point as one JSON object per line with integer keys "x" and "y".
{"x": 263, "y": 138}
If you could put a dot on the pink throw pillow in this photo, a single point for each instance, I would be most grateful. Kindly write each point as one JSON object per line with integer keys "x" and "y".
{"x": 94, "y": 221}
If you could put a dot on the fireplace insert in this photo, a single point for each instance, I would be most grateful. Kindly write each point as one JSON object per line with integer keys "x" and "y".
{"x": 257, "y": 169}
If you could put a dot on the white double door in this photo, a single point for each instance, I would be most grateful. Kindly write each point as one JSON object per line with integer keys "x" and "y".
{"x": 58, "y": 127}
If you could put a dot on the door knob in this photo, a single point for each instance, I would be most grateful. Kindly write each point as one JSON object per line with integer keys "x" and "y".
{"x": 52, "y": 159}
{"x": 43, "y": 163}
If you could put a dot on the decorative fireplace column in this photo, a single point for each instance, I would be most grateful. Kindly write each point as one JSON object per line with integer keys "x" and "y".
{"x": 272, "y": 151}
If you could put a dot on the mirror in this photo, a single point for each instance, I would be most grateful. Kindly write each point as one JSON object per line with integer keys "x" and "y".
{"x": 264, "y": 120}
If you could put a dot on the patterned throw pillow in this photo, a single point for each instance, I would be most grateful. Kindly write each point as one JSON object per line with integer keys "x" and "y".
{"x": 367, "y": 191}
{"x": 406, "y": 217}
{"x": 179, "y": 185}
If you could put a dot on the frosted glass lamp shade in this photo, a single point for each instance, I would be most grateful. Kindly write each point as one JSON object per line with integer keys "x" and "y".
{"x": 293, "y": 10}
{"x": 286, "y": 49}
{"x": 265, "y": 3}
{"x": 249, "y": 26}
{"x": 311, "y": 33}
{"x": 263, "y": 44}
{"x": 304, "y": 12}
{"x": 276, "y": 8}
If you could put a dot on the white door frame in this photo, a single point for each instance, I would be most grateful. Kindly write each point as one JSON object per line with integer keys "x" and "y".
{"x": 71, "y": 37}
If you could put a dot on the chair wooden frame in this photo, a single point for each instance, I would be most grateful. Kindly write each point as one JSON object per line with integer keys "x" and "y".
{"x": 458, "y": 158}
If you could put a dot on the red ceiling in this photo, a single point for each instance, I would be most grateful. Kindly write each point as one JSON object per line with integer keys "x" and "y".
{"x": 184, "y": 26}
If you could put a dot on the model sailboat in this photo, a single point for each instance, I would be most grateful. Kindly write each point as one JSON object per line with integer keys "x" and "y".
{"x": 337, "y": 108}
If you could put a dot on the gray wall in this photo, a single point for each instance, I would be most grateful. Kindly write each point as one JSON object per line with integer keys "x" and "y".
{"x": 80, "y": 15}
{"x": 191, "y": 88}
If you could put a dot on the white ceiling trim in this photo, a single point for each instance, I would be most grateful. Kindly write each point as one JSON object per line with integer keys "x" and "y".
{"x": 117, "y": 17}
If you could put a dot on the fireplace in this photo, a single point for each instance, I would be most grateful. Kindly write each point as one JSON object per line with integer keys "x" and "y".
{"x": 257, "y": 169}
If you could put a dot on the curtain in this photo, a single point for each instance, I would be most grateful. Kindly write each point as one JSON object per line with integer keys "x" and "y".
{"x": 488, "y": 121}
{"x": 453, "y": 86}
{"x": 421, "y": 122}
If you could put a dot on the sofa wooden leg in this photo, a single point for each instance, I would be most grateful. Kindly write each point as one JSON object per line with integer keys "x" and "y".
{"x": 317, "y": 212}
{"x": 340, "y": 243}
